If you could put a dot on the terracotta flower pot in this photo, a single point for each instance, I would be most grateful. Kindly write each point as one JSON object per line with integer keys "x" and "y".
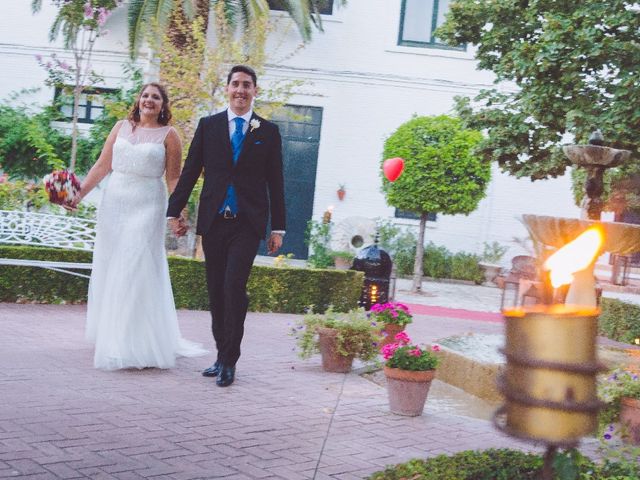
{"x": 332, "y": 361}
{"x": 389, "y": 332}
{"x": 630, "y": 419}
{"x": 341, "y": 193}
{"x": 408, "y": 390}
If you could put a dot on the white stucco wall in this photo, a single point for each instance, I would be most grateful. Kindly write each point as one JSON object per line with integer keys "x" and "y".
{"x": 368, "y": 86}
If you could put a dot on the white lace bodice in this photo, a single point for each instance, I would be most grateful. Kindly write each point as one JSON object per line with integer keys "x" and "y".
{"x": 139, "y": 152}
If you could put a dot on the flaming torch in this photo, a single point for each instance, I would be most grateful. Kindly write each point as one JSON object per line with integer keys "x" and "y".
{"x": 549, "y": 382}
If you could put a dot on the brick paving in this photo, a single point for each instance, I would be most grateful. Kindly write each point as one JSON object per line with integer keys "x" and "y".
{"x": 282, "y": 419}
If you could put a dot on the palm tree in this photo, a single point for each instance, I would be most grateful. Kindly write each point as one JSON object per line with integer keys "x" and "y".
{"x": 143, "y": 13}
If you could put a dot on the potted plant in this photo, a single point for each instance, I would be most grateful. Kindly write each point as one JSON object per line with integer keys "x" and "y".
{"x": 409, "y": 370}
{"x": 341, "y": 192}
{"x": 338, "y": 337}
{"x": 394, "y": 317}
{"x": 342, "y": 259}
{"x": 489, "y": 260}
{"x": 621, "y": 392}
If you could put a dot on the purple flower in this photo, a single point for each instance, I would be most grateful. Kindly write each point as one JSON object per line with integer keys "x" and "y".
{"x": 88, "y": 11}
{"x": 607, "y": 436}
{"x": 102, "y": 15}
{"x": 39, "y": 58}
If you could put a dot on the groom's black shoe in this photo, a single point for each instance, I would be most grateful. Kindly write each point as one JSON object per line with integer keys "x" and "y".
{"x": 226, "y": 376}
{"x": 213, "y": 370}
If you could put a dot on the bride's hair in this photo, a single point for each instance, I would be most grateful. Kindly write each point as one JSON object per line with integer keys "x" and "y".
{"x": 165, "y": 112}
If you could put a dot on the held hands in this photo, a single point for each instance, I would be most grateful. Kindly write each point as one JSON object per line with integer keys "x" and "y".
{"x": 178, "y": 226}
{"x": 274, "y": 243}
{"x": 72, "y": 206}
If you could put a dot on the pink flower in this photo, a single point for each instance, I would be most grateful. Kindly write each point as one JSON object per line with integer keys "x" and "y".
{"x": 416, "y": 352}
{"x": 389, "y": 349}
{"x": 39, "y": 58}
{"x": 435, "y": 348}
{"x": 102, "y": 15}
{"x": 403, "y": 338}
{"x": 88, "y": 11}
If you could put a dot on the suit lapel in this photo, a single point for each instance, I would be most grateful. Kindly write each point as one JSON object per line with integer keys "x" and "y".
{"x": 249, "y": 140}
{"x": 222, "y": 134}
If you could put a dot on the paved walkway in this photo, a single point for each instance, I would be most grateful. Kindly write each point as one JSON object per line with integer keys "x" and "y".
{"x": 284, "y": 418}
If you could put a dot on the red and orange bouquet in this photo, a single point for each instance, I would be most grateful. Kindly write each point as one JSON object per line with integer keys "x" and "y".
{"x": 62, "y": 186}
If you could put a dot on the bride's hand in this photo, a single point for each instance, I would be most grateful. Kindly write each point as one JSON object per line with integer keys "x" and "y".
{"x": 72, "y": 206}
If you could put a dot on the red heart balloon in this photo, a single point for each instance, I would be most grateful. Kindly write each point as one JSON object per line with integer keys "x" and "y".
{"x": 392, "y": 168}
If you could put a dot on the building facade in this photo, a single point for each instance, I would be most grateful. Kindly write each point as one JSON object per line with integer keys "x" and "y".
{"x": 376, "y": 64}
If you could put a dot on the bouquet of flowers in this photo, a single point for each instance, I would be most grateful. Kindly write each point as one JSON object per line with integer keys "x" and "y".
{"x": 391, "y": 313}
{"x": 62, "y": 186}
{"x": 405, "y": 356}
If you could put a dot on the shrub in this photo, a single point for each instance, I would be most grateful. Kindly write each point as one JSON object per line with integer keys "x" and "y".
{"x": 356, "y": 334}
{"x": 464, "y": 266}
{"x": 271, "y": 289}
{"x": 506, "y": 464}
{"x": 31, "y": 196}
{"x": 619, "y": 321}
{"x": 318, "y": 237}
{"x": 437, "y": 261}
{"x": 469, "y": 465}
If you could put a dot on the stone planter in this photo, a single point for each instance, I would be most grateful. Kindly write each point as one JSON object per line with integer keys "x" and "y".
{"x": 389, "y": 332}
{"x": 408, "y": 390}
{"x": 342, "y": 263}
{"x": 630, "y": 419}
{"x": 491, "y": 271}
{"x": 332, "y": 361}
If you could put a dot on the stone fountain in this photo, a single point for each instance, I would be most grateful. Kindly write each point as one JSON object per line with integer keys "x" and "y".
{"x": 554, "y": 232}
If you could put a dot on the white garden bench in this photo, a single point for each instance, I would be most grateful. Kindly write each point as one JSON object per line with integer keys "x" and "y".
{"x": 44, "y": 230}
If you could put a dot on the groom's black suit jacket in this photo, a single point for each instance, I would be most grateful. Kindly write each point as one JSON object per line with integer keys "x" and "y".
{"x": 257, "y": 175}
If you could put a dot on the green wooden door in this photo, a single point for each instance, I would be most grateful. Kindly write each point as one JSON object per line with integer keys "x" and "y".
{"x": 300, "y": 131}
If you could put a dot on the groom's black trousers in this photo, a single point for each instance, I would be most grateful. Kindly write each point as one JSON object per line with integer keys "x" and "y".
{"x": 230, "y": 246}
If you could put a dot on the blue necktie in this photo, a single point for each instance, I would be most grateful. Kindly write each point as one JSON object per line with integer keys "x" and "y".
{"x": 237, "y": 139}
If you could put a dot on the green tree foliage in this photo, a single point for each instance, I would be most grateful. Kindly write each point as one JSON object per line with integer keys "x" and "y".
{"x": 441, "y": 173}
{"x": 81, "y": 23}
{"x": 142, "y": 13}
{"x": 575, "y": 66}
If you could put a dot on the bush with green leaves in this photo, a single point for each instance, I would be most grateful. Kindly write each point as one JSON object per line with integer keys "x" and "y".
{"x": 271, "y": 289}
{"x": 318, "y": 238}
{"x": 400, "y": 243}
{"x": 493, "y": 252}
{"x": 508, "y": 464}
{"x": 619, "y": 321}
{"x": 356, "y": 334}
{"x": 464, "y": 266}
{"x": 31, "y": 196}
{"x": 612, "y": 388}
{"x": 29, "y": 146}
{"x": 442, "y": 173}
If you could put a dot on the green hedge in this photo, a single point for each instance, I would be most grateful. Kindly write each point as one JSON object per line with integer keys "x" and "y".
{"x": 506, "y": 464}
{"x": 619, "y": 321}
{"x": 285, "y": 290}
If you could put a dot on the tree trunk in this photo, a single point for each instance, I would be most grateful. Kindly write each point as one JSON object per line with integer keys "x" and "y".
{"x": 77, "y": 91}
{"x": 417, "y": 266}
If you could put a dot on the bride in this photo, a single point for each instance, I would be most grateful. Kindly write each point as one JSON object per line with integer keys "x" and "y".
{"x": 131, "y": 315}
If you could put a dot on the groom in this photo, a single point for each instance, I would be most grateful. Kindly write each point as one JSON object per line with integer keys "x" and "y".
{"x": 241, "y": 154}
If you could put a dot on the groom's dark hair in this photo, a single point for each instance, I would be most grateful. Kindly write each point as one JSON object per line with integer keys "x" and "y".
{"x": 244, "y": 69}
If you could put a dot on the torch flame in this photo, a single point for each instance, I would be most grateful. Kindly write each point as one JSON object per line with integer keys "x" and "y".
{"x": 574, "y": 256}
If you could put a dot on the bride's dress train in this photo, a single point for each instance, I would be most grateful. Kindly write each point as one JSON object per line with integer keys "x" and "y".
{"x": 131, "y": 314}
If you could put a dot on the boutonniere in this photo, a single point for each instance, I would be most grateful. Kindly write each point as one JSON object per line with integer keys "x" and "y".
{"x": 254, "y": 124}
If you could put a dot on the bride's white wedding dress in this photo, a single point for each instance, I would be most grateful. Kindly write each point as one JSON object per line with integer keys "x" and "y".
{"x": 131, "y": 314}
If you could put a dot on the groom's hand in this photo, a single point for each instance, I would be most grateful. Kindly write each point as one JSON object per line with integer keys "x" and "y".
{"x": 274, "y": 243}
{"x": 178, "y": 226}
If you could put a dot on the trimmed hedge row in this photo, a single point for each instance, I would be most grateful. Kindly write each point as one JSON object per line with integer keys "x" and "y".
{"x": 619, "y": 321}
{"x": 506, "y": 464}
{"x": 284, "y": 290}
